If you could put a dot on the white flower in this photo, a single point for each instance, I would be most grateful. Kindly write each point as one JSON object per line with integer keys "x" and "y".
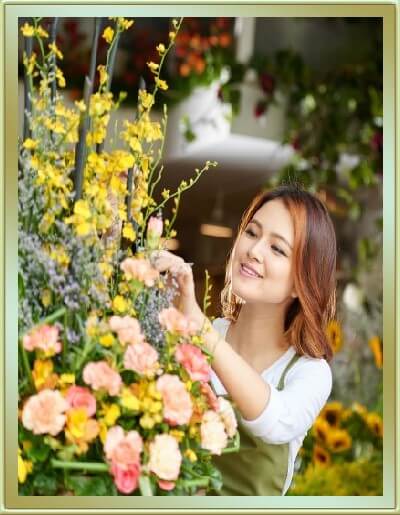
{"x": 353, "y": 297}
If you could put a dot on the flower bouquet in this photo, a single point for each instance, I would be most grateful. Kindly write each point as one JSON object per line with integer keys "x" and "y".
{"x": 114, "y": 394}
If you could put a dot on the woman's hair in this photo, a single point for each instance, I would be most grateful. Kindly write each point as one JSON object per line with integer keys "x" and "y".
{"x": 314, "y": 264}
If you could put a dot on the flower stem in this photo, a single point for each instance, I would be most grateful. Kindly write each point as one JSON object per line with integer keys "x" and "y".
{"x": 145, "y": 486}
{"x": 79, "y": 465}
{"x": 26, "y": 365}
{"x": 186, "y": 483}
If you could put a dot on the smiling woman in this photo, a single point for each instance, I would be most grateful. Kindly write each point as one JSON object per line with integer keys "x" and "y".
{"x": 270, "y": 351}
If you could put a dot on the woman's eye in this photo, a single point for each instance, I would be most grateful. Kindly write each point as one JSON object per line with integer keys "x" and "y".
{"x": 277, "y": 249}
{"x": 250, "y": 232}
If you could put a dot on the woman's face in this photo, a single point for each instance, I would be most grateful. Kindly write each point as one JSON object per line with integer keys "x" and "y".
{"x": 262, "y": 265}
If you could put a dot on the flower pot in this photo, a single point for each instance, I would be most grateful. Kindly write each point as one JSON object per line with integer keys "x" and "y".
{"x": 199, "y": 120}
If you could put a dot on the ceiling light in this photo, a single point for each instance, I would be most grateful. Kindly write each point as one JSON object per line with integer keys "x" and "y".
{"x": 216, "y": 231}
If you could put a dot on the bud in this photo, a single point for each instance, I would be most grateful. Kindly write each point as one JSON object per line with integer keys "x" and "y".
{"x": 154, "y": 232}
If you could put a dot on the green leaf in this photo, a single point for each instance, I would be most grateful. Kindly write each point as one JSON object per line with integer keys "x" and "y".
{"x": 45, "y": 484}
{"x": 87, "y": 485}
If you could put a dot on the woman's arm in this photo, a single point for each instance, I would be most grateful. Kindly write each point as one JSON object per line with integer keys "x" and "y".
{"x": 246, "y": 387}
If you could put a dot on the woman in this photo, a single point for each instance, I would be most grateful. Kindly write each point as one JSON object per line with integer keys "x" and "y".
{"x": 270, "y": 349}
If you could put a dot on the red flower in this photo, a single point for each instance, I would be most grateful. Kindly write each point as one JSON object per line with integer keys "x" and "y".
{"x": 260, "y": 108}
{"x": 267, "y": 83}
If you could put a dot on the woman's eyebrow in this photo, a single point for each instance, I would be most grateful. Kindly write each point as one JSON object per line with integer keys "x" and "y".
{"x": 275, "y": 234}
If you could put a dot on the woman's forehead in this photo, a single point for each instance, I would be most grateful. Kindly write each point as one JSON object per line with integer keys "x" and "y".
{"x": 274, "y": 216}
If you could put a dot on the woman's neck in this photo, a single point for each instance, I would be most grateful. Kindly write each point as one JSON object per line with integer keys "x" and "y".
{"x": 259, "y": 331}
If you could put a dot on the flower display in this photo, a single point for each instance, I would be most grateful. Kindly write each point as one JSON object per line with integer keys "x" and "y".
{"x": 112, "y": 377}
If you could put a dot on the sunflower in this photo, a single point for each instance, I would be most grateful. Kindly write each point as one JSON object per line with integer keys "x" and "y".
{"x": 334, "y": 335}
{"x": 332, "y": 413}
{"x": 338, "y": 440}
{"x": 321, "y": 456}
{"x": 375, "y": 424}
{"x": 375, "y": 345}
{"x": 321, "y": 429}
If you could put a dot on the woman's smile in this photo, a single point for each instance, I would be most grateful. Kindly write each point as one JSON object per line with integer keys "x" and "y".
{"x": 248, "y": 271}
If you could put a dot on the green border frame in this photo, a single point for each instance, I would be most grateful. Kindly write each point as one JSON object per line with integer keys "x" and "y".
{"x": 10, "y": 502}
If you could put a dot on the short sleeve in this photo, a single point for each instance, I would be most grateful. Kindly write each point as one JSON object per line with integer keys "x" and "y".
{"x": 292, "y": 411}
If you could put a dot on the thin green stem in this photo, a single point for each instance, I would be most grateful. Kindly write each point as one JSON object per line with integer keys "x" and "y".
{"x": 145, "y": 486}
{"x": 79, "y": 465}
{"x": 26, "y": 365}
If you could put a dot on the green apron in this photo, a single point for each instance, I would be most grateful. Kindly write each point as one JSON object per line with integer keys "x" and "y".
{"x": 258, "y": 468}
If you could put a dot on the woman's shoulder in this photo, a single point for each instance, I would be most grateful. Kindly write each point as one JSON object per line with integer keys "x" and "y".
{"x": 311, "y": 369}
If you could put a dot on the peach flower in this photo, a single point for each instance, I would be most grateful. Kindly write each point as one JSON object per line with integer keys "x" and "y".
{"x": 139, "y": 269}
{"x": 44, "y": 338}
{"x": 126, "y": 479}
{"x": 175, "y": 322}
{"x": 123, "y": 449}
{"x": 227, "y": 415}
{"x": 194, "y": 361}
{"x": 213, "y": 435}
{"x": 80, "y": 397}
{"x": 177, "y": 404}
{"x": 141, "y": 358}
{"x": 212, "y": 399}
{"x": 127, "y": 328}
{"x": 99, "y": 375}
{"x": 165, "y": 457}
{"x": 166, "y": 485}
{"x": 44, "y": 413}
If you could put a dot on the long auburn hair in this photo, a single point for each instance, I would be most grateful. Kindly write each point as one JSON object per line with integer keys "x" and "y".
{"x": 314, "y": 264}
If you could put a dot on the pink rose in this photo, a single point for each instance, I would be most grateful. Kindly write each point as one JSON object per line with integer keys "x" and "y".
{"x": 212, "y": 399}
{"x": 213, "y": 435}
{"x": 155, "y": 226}
{"x": 175, "y": 322}
{"x": 166, "y": 485}
{"x": 177, "y": 404}
{"x": 44, "y": 413}
{"x": 99, "y": 375}
{"x": 194, "y": 361}
{"x": 140, "y": 269}
{"x": 127, "y": 328}
{"x": 80, "y": 397}
{"x": 44, "y": 338}
{"x": 141, "y": 358}
{"x": 165, "y": 457}
{"x": 227, "y": 415}
{"x": 126, "y": 479}
{"x": 123, "y": 449}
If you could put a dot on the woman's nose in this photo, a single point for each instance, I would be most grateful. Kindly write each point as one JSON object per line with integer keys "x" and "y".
{"x": 255, "y": 251}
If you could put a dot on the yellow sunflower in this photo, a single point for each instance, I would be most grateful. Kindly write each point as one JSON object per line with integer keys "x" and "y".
{"x": 338, "y": 440}
{"x": 321, "y": 456}
{"x": 321, "y": 429}
{"x": 332, "y": 413}
{"x": 375, "y": 424}
{"x": 375, "y": 345}
{"x": 334, "y": 335}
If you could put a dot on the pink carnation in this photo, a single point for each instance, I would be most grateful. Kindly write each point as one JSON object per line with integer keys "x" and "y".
{"x": 213, "y": 435}
{"x": 194, "y": 361}
{"x": 123, "y": 449}
{"x": 80, "y": 397}
{"x": 99, "y": 375}
{"x": 44, "y": 413}
{"x": 165, "y": 457}
{"x": 177, "y": 404}
{"x": 139, "y": 269}
{"x": 44, "y": 338}
{"x": 141, "y": 358}
{"x": 155, "y": 227}
{"x": 212, "y": 399}
{"x": 227, "y": 415}
{"x": 127, "y": 328}
{"x": 126, "y": 479}
{"x": 175, "y": 322}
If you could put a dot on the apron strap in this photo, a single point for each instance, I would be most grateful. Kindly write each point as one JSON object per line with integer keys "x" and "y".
{"x": 288, "y": 367}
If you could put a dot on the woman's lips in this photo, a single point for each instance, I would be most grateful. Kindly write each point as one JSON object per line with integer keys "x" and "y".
{"x": 249, "y": 272}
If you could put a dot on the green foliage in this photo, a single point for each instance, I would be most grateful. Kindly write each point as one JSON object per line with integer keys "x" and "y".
{"x": 355, "y": 478}
{"x": 91, "y": 485}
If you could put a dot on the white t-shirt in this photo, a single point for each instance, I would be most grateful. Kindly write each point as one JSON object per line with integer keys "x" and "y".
{"x": 290, "y": 412}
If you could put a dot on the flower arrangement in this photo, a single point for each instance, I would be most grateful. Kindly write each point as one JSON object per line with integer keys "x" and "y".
{"x": 114, "y": 394}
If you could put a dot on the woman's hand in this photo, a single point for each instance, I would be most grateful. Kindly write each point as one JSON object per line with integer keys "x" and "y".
{"x": 165, "y": 261}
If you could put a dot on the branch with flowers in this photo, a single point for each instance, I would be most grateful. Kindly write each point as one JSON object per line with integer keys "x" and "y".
{"x": 114, "y": 393}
